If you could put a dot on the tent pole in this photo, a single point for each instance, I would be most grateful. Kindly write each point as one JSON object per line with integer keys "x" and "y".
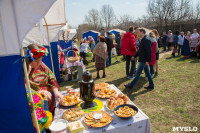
{"x": 49, "y": 45}
{"x": 29, "y": 91}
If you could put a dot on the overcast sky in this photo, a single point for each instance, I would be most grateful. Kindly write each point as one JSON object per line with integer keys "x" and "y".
{"x": 77, "y": 9}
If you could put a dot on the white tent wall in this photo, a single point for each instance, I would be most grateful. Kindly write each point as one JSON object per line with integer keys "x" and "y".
{"x": 17, "y": 18}
{"x": 55, "y": 19}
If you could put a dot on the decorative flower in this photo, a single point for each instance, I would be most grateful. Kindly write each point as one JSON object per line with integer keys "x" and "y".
{"x": 40, "y": 114}
{"x": 36, "y": 98}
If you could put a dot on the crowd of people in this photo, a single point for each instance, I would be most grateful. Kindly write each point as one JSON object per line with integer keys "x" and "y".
{"x": 136, "y": 46}
{"x": 186, "y": 45}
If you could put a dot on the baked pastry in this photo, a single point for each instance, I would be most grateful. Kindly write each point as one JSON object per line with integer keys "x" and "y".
{"x": 113, "y": 102}
{"x": 70, "y": 100}
{"x": 106, "y": 93}
{"x": 73, "y": 114}
{"x": 98, "y": 119}
{"x": 99, "y": 86}
{"x": 125, "y": 112}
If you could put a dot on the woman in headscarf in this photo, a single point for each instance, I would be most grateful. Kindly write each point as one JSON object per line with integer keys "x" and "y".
{"x": 186, "y": 45}
{"x": 100, "y": 52}
{"x": 153, "y": 52}
{"x": 41, "y": 78}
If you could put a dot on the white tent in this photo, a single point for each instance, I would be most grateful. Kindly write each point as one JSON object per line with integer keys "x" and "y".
{"x": 17, "y": 18}
{"x": 69, "y": 33}
{"x": 118, "y": 30}
{"x": 47, "y": 29}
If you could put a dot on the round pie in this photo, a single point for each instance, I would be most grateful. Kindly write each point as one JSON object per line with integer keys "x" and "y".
{"x": 101, "y": 121}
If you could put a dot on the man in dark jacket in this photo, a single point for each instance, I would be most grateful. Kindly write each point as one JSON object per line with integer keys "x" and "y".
{"x": 109, "y": 42}
{"x": 128, "y": 48}
{"x": 118, "y": 41}
{"x": 144, "y": 54}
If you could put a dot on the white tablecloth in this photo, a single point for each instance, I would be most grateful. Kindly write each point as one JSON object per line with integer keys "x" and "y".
{"x": 139, "y": 124}
{"x": 77, "y": 63}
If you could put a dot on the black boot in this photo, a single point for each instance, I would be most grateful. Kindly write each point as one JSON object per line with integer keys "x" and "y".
{"x": 104, "y": 75}
{"x": 98, "y": 76}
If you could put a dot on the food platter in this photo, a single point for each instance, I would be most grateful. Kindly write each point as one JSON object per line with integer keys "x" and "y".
{"x": 99, "y": 86}
{"x": 113, "y": 102}
{"x": 73, "y": 114}
{"x": 98, "y": 119}
{"x": 70, "y": 100}
{"x": 105, "y": 93}
{"x": 125, "y": 111}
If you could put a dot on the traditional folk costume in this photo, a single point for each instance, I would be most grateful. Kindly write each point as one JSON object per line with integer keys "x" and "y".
{"x": 100, "y": 52}
{"x": 194, "y": 40}
{"x": 43, "y": 78}
{"x": 44, "y": 117}
{"x": 186, "y": 47}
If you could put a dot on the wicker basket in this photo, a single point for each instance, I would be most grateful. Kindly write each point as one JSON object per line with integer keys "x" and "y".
{"x": 72, "y": 59}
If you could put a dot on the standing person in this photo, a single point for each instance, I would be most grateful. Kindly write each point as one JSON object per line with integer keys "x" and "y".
{"x": 74, "y": 45}
{"x": 170, "y": 40}
{"x": 128, "y": 48}
{"x": 157, "y": 37}
{"x": 61, "y": 55}
{"x": 198, "y": 47}
{"x": 83, "y": 51}
{"x": 137, "y": 43}
{"x": 175, "y": 42}
{"x": 186, "y": 45}
{"x": 92, "y": 46}
{"x": 100, "y": 52}
{"x": 194, "y": 41}
{"x": 152, "y": 38}
{"x": 144, "y": 54}
{"x": 118, "y": 41}
{"x": 109, "y": 42}
{"x": 114, "y": 51}
{"x": 91, "y": 43}
{"x": 180, "y": 42}
{"x": 164, "y": 41}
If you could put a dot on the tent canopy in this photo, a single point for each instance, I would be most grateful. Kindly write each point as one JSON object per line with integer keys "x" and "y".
{"x": 92, "y": 33}
{"x": 16, "y": 20}
{"x": 117, "y": 31}
{"x": 54, "y": 19}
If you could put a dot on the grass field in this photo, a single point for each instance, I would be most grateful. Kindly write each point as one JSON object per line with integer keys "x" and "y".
{"x": 175, "y": 101}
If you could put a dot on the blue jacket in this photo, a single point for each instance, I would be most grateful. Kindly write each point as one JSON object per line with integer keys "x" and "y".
{"x": 164, "y": 39}
{"x": 175, "y": 39}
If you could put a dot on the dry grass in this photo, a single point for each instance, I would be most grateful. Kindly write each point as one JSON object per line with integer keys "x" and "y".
{"x": 175, "y": 101}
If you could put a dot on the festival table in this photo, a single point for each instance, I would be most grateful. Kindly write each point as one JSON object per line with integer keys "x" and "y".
{"x": 139, "y": 124}
{"x": 74, "y": 64}
{"x": 79, "y": 64}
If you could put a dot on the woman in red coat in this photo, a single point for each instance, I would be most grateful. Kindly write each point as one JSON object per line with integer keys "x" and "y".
{"x": 153, "y": 52}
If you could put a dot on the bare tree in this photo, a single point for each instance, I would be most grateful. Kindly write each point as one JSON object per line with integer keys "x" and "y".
{"x": 168, "y": 12}
{"x": 93, "y": 18}
{"x": 124, "y": 22}
{"x": 108, "y": 15}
